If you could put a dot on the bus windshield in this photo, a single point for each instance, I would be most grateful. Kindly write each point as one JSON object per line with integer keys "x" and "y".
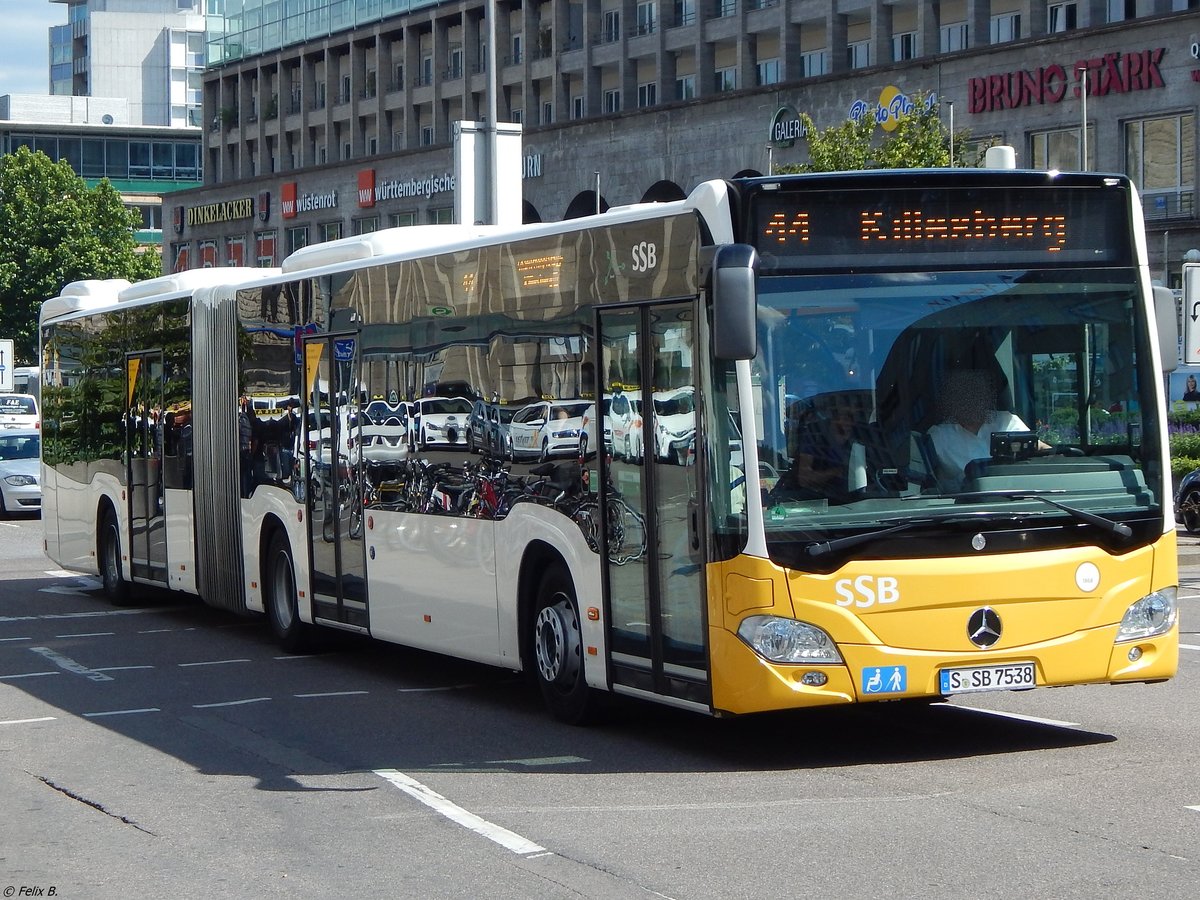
{"x": 983, "y": 401}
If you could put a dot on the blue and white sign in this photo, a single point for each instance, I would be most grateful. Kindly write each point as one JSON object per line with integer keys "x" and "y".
{"x": 885, "y": 679}
{"x": 343, "y": 349}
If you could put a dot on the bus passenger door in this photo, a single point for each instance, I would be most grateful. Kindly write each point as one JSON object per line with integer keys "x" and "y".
{"x": 653, "y": 572}
{"x": 144, "y": 463}
{"x": 334, "y": 488}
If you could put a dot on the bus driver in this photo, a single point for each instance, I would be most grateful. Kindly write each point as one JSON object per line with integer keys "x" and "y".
{"x": 967, "y": 400}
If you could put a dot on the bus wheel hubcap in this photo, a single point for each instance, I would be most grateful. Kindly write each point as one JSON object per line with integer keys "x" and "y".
{"x": 556, "y": 643}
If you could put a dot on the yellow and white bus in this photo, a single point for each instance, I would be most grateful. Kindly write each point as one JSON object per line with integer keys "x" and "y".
{"x": 817, "y": 525}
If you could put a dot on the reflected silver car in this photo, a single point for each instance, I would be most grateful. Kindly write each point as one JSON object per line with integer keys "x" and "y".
{"x": 20, "y": 471}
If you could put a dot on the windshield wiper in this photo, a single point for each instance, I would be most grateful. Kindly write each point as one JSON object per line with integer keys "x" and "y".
{"x": 820, "y": 548}
{"x": 1118, "y": 528}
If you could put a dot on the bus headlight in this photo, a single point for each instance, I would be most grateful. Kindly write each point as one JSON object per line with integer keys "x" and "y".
{"x": 1153, "y": 614}
{"x": 788, "y": 641}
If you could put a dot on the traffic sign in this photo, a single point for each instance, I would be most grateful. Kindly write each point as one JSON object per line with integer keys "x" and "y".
{"x": 1191, "y": 314}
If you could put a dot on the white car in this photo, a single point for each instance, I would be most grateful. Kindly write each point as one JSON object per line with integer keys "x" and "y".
{"x": 552, "y": 428}
{"x": 441, "y": 421}
{"x": 675, "y": 424}
{"x": 625, "y": 418}
{"x": 19, "y": 411}
{"x": 20, "y": 469}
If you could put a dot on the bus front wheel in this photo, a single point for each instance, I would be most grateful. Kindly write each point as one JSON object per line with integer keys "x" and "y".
{"x": 558, "y": 649}
{"x": 279, "y": 579}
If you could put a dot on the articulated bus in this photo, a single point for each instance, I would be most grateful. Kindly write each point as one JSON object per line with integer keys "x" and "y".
{"x": 694, "y": 452}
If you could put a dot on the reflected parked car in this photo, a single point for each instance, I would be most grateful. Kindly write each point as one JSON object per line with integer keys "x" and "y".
{"x": 550, "y": 428}
{"x": 20, "y": 469}
{"x": 441, "y": 422}
{"x": 674, "y": 424}
{"x": 625, "y": 418}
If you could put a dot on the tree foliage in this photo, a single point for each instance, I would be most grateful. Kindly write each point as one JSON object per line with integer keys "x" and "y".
{"x": 919, "y": 141}
{"x": 54, "y": 229}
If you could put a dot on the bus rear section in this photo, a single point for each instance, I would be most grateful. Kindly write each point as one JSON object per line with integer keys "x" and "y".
{"x": 958, "y": 479}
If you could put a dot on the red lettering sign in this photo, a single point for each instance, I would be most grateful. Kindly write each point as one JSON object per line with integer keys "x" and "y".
{"x": 287, "y": 199}
{"x": 1114, "y": 73}
{"x": 366, "y": 188}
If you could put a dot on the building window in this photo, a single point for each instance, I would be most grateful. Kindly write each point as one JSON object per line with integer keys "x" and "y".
{"x": 235, "y": 251}
{"x": 547, "y": 112}
{"x": 331, "y": 231}
{"x": 516, "y": 50}
{"x": 726, "y": 8}
{"x": 402, "y": 220}
{"x": 858, "y": 54}
{"x": 264, "y": 249}
{"x": 1120, "y": 10}
{"x": 611, "y": 29}
{"x": 1060, "y": 149}
{"x": 577, "y": 107}
{"x": 346, "y": 150}
{"x": 952, "y": 37}
{"x": 725, "y": 79}
{"x": 1160, "y": 157}
{"x": 365, "y": 225}
{"x": 769, "y": 71}
{"x": 648, "y": 94}
{"x": 517, "y": 116}
{"x": 815, "y": 62}
{"x": 1005, "y": 28}
{"x": 426, "y": 70}
{"x": 442, "y": 216}
{"x": 904, "y": 46}
{"x": 297, "y": 238}
{"x": 1061, "y": 17}
{"x": 685, "y": 87}
{"x": 685, "y": 12}
{"x": 612, "y": 101}
{"x": 647, "y": 17}
{"x": 456, "y": 63}
{"x": 426, "y": 135}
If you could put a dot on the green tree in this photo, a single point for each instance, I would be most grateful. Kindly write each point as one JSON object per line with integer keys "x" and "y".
{"x": 54, "y": 229}
{"x": 919, "y": 141}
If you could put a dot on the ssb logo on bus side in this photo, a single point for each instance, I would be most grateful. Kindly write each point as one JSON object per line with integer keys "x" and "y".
{"x": 645, "y": 256}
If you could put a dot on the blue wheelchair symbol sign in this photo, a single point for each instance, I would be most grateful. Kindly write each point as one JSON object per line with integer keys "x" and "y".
{"x": 885, "y": 679}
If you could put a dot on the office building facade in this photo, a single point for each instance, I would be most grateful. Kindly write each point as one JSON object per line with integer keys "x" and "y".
{"x": 324, "y": 119}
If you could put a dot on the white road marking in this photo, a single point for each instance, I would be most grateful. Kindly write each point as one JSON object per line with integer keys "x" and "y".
{"x": 122, "y": 668}
{"x": 1037, "y": 720}
{"x": 1193, "y": 808}
{"x": 430, "y": 690}
{"x": 88, "y": 634}
{"x": 1189, "y": 646}
{"x": 5, "y": 640}
{"x": 157, "y": 631}
{"x": 26, "y": 721}
{"x": 510, "y": 840}
{"x": 27, "y": 675}
{"x": 333, "y": 694}
{"x": 70, "y": 665}
{"x": 121, "y": 712}
{"x": 539, "y": 761}
{"x": 214, "y": 662}
{"x": 91, "y": 614}
{"x": 231, "y": 703}
{"x": 61, "y": 573}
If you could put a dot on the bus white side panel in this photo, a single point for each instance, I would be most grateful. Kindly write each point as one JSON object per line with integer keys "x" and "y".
{"x": 433, "y": 583}
{"x": 77, "y": 518}
{"x": 181, "y": 540}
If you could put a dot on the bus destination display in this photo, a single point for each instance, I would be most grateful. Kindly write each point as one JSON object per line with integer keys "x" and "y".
{"x": 943, "y": 227}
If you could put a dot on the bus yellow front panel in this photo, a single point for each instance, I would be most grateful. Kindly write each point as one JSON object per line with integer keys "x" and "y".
{"x": 898, "y": 623}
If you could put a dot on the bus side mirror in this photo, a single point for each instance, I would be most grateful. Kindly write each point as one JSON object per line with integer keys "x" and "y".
{"x": 735, "y": 302}
{"x": 1168, "y": 327}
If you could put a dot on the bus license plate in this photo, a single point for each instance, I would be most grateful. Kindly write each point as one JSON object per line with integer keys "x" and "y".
{"x": 1003, "y": 677}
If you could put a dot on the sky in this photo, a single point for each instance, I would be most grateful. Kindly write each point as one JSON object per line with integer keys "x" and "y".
{"x": 24, "y": 44}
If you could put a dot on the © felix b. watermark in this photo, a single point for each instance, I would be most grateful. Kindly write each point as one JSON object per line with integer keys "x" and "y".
{"x": 30, "y": 890}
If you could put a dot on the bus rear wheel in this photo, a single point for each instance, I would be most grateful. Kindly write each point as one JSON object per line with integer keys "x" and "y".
{"x": 108, "y": 550}
{"x": 279, "y": 581}
{"x": 557, "y": 646}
